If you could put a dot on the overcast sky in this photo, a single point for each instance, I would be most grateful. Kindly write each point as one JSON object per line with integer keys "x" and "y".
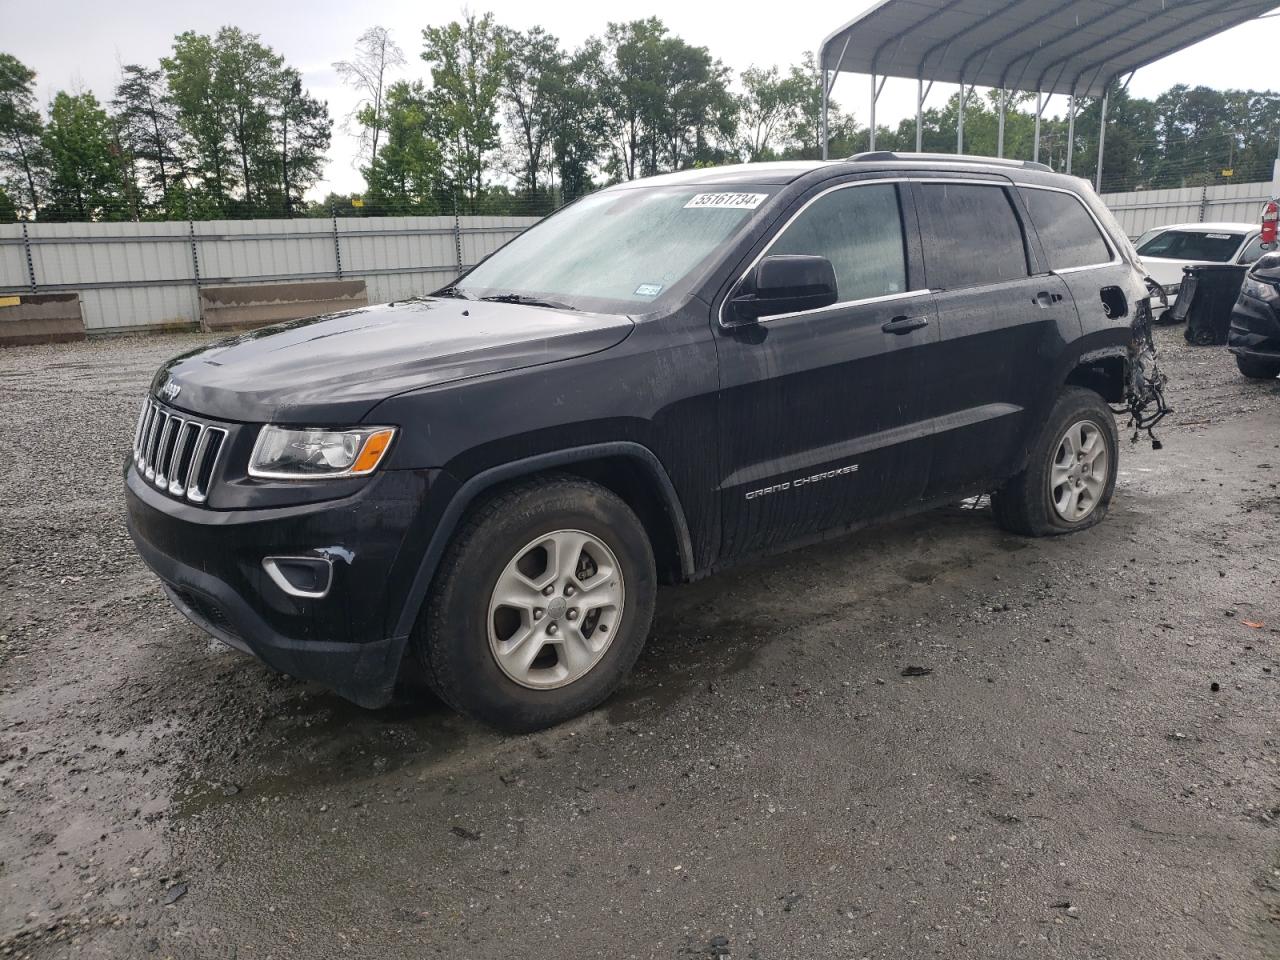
{"x": 75, "y": 43}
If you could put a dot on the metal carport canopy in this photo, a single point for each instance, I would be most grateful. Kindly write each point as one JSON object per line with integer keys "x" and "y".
{"x": 1073, "y": 47}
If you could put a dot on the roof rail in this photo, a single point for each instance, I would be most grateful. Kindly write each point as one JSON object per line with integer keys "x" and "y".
{"x": 880, "y": 155}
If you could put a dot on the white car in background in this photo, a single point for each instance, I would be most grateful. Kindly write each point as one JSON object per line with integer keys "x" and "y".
{"x": 1166, "y": 250}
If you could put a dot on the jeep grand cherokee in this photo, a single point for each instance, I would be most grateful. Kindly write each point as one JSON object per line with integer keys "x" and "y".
{"x": 663, "y": 378}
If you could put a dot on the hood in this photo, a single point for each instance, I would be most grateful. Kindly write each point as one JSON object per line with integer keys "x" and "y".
{"x": 332, "y": 370}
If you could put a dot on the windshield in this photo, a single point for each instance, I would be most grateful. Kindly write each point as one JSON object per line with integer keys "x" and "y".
{"x": 618, "y": 251}
{"x": 1211, "y": 246}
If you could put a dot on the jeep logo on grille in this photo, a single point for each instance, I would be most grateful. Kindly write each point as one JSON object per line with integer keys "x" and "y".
{"x": 170, "y": 390}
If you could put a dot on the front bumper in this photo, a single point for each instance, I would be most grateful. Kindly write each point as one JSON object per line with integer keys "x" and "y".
{"x": 210, "y": 563}
{"x": 1255, "y": 329}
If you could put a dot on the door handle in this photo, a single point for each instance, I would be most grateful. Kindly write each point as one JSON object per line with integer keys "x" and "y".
{"x": 904, "y": 324}
{"x": 1045, "y": 299}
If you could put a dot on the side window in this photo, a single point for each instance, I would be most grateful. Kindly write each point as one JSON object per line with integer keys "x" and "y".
{"x": 1068, "y": 234}
{"x": 971, "y": 234}
{"x": 1252, "y": 251}
{"x": 859, "y": 229}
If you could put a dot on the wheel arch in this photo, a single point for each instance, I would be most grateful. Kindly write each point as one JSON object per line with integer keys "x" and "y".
{"x": 630, "y": 470}
{"x": 1104, "y": 371}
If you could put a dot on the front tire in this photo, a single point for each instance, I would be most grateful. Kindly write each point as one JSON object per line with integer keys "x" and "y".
{"x": 1256, "y": 369}
{"x": 1071, "y": 474}
{"x": 541, "y": 605}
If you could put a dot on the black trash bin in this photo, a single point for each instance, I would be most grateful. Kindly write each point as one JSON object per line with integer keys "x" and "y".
{"x": 1205, "y": 299}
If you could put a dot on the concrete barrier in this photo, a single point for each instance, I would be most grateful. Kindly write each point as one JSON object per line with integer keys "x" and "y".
{"x": 243, "y": 306}
{"x": 40, "y": 318}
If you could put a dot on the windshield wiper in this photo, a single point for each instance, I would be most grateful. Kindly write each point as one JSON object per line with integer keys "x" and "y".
{"x": 453, "y": 291}
{"x": 527, "y": 301}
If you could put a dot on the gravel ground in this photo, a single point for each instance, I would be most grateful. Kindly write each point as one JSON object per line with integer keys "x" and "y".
{"x": 1088, "y": 764}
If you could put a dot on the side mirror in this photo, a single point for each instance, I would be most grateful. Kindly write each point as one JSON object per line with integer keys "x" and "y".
{"x": 784, "y": 284}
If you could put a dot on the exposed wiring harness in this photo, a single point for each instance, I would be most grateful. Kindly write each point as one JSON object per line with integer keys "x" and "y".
{"x": 1144, "y": 393}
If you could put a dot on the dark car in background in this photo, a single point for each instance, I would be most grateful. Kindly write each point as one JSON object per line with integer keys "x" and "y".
{"x": 665, "y": 378}
{"x": 1255, "y": 321}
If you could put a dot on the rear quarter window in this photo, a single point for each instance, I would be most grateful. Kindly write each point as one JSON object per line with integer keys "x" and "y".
{"x": 1068, "y": 233}
{"x": 971, "y": 234}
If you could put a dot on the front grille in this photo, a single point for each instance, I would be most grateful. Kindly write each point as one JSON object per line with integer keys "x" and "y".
{"x": 175, "y": 452}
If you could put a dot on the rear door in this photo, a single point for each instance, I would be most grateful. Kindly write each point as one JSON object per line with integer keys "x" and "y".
{"x": 1073, "y": 247}
{"x": 1003, "y": 322}
{"x": 821, "y": 411}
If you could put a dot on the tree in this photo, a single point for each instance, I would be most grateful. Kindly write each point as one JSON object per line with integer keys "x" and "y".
{"x": 466, "y": 75}
{"x": 406, "y": 175}
{"x": 769, "y": 107}
{"x": 376, "y": 55}
{"x": 149, "y": 130}
{"x": 804, "y": 135}
{"x": 302, "y": 130}
{"x": 84, "y": 175}
{"x": 8, "y": 209}
{"x": 701, "y": 116}
{"x": 226, "y": 89}
{"x": 202, "y": 112}
{"x": 535, "y": 77}
{"x": 632, "y": 93}
{"x": 21, "y": 153}
{"x": 667, "y": 103}
{"x": 247, "y": 77}
{"x": 581, "y": 125}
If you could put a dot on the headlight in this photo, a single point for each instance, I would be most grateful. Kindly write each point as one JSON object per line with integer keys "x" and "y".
{"x": 1261, "y": 290}
{"x": 316, "y": 454}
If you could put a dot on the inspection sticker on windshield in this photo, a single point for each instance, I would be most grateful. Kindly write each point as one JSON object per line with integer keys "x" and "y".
{"x": 727, "y": 201}
{"x": 648, "y": 290}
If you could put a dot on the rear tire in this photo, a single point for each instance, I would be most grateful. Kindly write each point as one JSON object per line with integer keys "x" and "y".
{"x": 1256, "y": 369}
{"x": 1071, "y": 473}
{"x": 541, "y": 605}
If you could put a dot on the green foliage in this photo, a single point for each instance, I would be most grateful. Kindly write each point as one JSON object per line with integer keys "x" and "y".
{"x": 467, "y": 62}
{"x": 85, "y": 181}
{"x": 8, "y": 209}
{"x": 407, "y": 175}
{"x": 22, "y": 159}
{"x": 149, "y": 132}
{"x": 666, "y": 103}
{"x": 535, "y": 75}
{"x": 254, "y": 130}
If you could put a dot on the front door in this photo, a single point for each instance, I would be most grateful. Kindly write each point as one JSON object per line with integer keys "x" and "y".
{"x": 820, "y": 412}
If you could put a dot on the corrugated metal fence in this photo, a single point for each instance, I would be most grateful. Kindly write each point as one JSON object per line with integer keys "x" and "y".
{"x": 1140, "y": 210}
{"x": 132, "y": 276}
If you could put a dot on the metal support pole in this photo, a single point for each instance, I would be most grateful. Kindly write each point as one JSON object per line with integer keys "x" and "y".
{"x": 31, "y": 265}
{"x": 457, "y": 225}
{"x": 960, "y": 120}
{"x": 822, "y": 120}
{"x": 195, "y": 252}
{"x": 337, "y": 248}
{"x": 1000, "y": 128}
{"x": 1102, "y": 143}
{"x": 871, "y": 142}
{"x": 919, "y": 114}
{"x": 1071, "y": 131}
{"x": 1035, "y": 151}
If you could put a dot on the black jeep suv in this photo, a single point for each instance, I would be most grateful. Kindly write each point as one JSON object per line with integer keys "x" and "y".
{"x": 661, "y": 379}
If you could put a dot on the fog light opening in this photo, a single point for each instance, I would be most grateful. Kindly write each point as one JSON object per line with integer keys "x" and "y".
{"x": 308, "y": 577}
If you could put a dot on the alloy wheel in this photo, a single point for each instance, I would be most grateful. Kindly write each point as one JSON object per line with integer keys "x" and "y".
{"x": 555, "y": 609}
{"x": 1079, "y": 473}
